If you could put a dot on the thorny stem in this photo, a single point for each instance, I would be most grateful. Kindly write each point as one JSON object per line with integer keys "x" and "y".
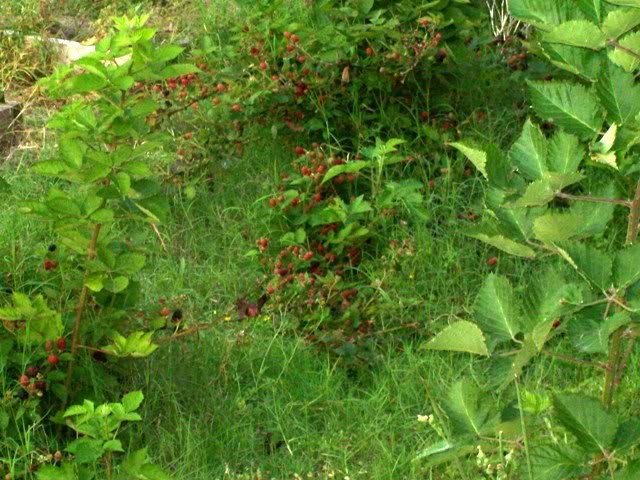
{"x": 575, "y": 361}
{"x": 614, "y": 363}
{"x": 634, "y": 217}
{"x": 82, "y": 302}
{"x": 587, "y": 198}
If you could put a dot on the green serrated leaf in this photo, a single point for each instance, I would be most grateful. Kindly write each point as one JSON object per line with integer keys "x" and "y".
{"x": 556, "y": 227}
{"x": 468, "y": 409}
{"x": 628, "y": 435}
{"x": 621, "y": 21}
{"x": 619, "y": 94}
{"x": 476, "y": 156}
{"x": 505, "y": 244}
{"x": 626, "y": 269}
{"x": 66, "y": 471}
{"x": 587, "y": 420}
{"x": 166, "y": 53}
{"x": 592, "y": 264}
{"x": 87, "y": 82}
{"x": 627, "y": 54}
{"x": 557, "y": 462}
{"x": 592, "y": 9}
{"x": 543, "y": 13}
{"x": 86, "y": 450}
{"x": 496, "y": 309}
{"x": 577, "y": 33}
{"x": 71, "y": 151}
{"x": 569, "y": 105}
{"x": 350, "y": 167}
{"x": 582, "y": 62}
{"x": 461, "y": 336}
{"x": 565, "y": 153}
{"x": 131, "y": 401}
{"x": 529, "y": 152}
{"x": 542, "y": 191}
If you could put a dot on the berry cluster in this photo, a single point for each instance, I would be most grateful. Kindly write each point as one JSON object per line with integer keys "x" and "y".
{"x": 318, "y": 276}
{"x": 33, "y": 381}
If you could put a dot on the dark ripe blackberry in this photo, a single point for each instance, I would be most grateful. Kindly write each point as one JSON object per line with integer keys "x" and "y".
{"x": 99, "y": 357}
{"x": 176, "y": 316}
{"x": 22, "y": 394}
{"x": 41, "y": 385}
{"x": 53, "y": 247}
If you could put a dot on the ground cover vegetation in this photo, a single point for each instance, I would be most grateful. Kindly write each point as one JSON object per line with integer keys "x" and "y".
{"x": 320, "y": 239}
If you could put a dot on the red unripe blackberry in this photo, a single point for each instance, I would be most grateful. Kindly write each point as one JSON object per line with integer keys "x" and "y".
{"x": 52, "y": 360}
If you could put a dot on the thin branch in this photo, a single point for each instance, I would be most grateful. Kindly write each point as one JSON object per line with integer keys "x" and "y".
{"x": 634, "y": 217}
{"x": 157, "y": 232}
{"x": 587, "y": 198}
{"x": 575, "y": 361}
{"x": 189, "y": 331}
{"x": 82, "y": 302}
{"x": 633, "y": 53}
{"x": 170, "y": 112}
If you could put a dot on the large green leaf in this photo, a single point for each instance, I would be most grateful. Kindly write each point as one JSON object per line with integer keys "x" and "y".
{"x": 627, "y": 55}
{"x": 628, "y": 435}
{"x": 569, "y": 105}
{"x": 626, "y": 269}
{"x": 585, "y": 418}
{"x": 514, "y": 222}
{"x": 546, "y": 300}
{"x": 594, "y": 217}
{"x": 544, "y": 13}
{"x": 619, "y": 93}
{"x": 625, "y": 3}
{"x": 590, "y": 334}
{"x": 591, "y": 263}
{"x": 86, "y": 450}
{"x": 475, "y": 155}
{"x": 468, "y": 408}
{"x": 499, "y": 168}
{"x": 592, "y": 9}
{"x": 556, "y": 462}
{"x": 71, "y": 151}
{"x": 621, "y": 21}
{"x": 461, "y": 336}
{"x": 556, "y": 227}
{"x": 529, "y": 152}
{"x": 505, "y": 244}
{"x": 565, "y": 153}
{"x": 496, "y": 309}
{"x": 579, "y": 61}
{"x": 51, "y": 472}
{"x": 542, "y": 191}
{"x": 577, "y": 33}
